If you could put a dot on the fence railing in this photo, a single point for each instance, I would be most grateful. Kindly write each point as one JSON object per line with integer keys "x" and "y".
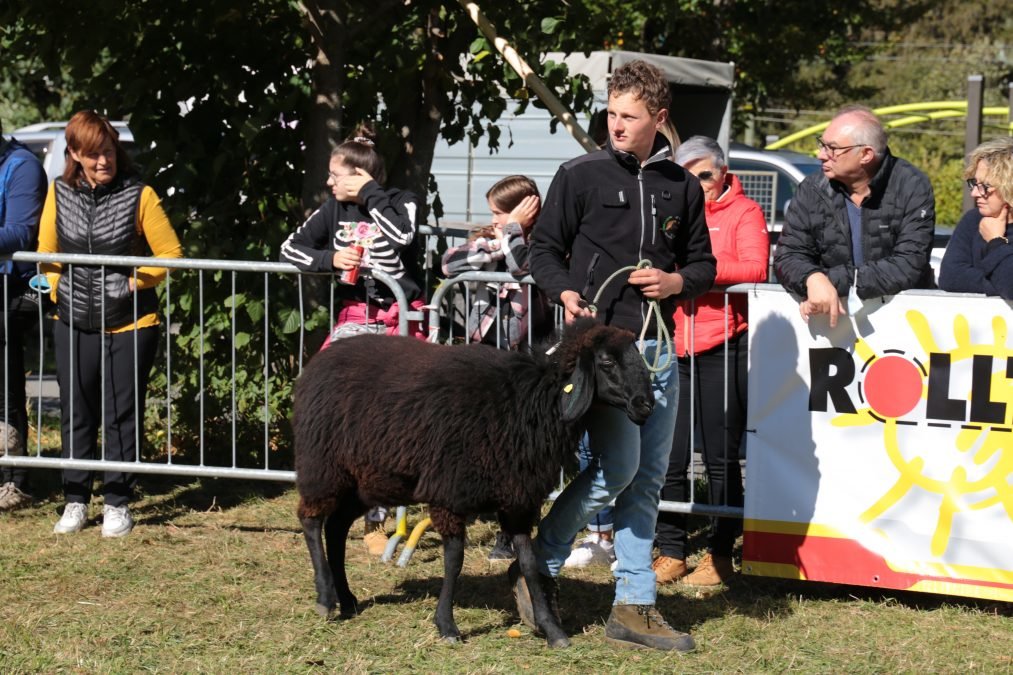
{"x": 193, "y": 333}
{"x": 201, "y": 347}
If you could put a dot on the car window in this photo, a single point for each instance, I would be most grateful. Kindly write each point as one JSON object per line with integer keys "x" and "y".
{"x": 784, "y": 191}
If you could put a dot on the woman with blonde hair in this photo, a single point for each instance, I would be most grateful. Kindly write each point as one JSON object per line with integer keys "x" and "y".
{"x": 979, "y": 257}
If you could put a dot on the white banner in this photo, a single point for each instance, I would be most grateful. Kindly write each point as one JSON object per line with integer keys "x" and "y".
{"x": 880, "y": 453}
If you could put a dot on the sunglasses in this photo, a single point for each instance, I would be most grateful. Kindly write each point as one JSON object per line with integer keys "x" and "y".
{"x": 707, "y": 176}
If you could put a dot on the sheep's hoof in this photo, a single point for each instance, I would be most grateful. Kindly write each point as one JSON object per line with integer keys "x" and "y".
{"x": 558, "y": 643}
{"x": 349, "y": 613}
{"x": 323, "y": 610}
{"x": 451, "y": 639}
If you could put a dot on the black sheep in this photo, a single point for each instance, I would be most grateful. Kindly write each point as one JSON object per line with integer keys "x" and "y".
{"x": 464, "y": 429}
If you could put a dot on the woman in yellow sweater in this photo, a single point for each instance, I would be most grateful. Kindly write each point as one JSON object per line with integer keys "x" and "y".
{"x": 99, "y": 206}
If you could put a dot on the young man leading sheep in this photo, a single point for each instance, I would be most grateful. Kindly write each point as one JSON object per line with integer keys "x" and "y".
{"x": 604, "y": 211}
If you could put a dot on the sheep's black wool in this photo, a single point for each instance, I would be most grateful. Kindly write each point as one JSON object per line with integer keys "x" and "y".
{"x": 465, "y": 429}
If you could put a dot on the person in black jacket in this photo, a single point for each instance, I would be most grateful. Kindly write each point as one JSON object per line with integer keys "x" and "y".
{"x": 867, "y": 220}
{"x": 605, "y": 212}
{"x": 979, "y": 258}
{"x": 367, "y": 226}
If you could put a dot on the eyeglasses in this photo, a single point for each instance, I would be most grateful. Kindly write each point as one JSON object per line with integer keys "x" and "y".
{"x": 707, "y": 176}
{"x": 333, "y": 176}
{"x": 835, "y": 151}
{"x": 984, "y": 189}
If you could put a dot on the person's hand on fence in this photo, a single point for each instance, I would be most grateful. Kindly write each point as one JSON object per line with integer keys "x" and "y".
{"x": 655, "y": 284}
{"x": 821, "y": 298}
{"x": 346, "y": 259}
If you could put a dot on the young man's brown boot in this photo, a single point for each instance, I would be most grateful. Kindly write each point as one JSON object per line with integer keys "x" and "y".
{"x": 643, "y": 627}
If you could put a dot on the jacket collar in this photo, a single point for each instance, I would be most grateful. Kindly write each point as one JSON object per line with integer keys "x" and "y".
{"x": 732, "y": 190}
{"x": 877, "y": 186}
{"x": 121, "y": 181}
{"x": 660, "y": 151}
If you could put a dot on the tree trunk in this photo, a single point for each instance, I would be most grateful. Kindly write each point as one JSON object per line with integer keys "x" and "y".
{"x": 326, "y": 22}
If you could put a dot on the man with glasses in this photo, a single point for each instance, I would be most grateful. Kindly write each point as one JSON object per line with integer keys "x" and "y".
{"x": 868, "y": 220}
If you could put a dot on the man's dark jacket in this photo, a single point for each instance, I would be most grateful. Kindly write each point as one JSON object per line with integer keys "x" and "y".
{"x": 898, "y": 228}
{"x": 603, "y": 212}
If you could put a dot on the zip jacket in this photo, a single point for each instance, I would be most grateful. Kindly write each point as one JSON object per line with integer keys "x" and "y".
{"x": 604, "y": 211}
{"x": 898, "y": 227}
{"x": 384, "y": 225}
{"x": 22, "y": 190}
{"x": 738, "y": 234}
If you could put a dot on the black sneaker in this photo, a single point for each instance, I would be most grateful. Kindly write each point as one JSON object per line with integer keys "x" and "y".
{"x": 503, "y": 549}
{"x": 643, "y": 627}
{"x": 523, "y": 597}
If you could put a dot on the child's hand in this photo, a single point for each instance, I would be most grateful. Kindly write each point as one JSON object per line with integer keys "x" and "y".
{"x": 346, "y": 259}
{"x": 525, "y": 213}
{"x": 350, "y": 186}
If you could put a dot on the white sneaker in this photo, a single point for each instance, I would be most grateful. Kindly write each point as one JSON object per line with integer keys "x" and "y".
{"x": 592, "y": 550}
{"x": 116, "y": 521}
{"x": 73, "y": 519}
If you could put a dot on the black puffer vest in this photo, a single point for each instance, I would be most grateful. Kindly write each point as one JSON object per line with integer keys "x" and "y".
{"x": 100, "y": 221}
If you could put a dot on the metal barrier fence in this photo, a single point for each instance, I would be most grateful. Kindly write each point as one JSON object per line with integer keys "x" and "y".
{"x": 205, "y": 341}
{"x": 206, "y": 348}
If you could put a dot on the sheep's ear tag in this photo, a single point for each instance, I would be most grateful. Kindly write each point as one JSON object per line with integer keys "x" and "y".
{"x": 572, "y": 397}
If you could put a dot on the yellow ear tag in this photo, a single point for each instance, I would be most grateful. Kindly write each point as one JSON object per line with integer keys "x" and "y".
{"x": 568, "y": 388}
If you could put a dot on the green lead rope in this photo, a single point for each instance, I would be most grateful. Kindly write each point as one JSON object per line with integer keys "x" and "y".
{"x": 653, "y": 307}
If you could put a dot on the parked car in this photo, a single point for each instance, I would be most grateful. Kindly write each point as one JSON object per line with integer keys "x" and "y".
{"x": 770, "y": 177}
{"x": 47, "y": 141}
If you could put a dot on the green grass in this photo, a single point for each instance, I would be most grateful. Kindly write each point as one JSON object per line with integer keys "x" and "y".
{"x": 216, "y": 578}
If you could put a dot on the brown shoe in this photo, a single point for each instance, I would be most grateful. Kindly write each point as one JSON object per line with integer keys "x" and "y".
{"x": 375, "y": 538}
{"x": 643, "y": 627}
{"x": 669, "y": 570}
{"x": 713, "y": 570}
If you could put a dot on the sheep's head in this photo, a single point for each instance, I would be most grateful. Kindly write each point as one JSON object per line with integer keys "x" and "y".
{"x": 604, "y": 366}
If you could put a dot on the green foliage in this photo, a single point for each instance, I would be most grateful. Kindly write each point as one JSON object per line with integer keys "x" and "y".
{"x": 238, "y": 107}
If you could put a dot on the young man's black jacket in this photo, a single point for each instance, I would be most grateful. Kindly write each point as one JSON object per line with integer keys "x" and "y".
{"x": 605, "y": 211}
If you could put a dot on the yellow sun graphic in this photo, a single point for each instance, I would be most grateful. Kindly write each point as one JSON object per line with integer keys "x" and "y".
{"x": 988, "y": 444}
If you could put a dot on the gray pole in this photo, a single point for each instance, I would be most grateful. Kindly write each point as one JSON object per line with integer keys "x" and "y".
{"x": 972, "y": 138}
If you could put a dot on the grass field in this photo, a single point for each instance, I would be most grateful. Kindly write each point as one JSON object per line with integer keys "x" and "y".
{"x": 216, "y": 578}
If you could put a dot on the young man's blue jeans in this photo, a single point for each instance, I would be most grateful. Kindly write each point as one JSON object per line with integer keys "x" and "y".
{"x": 630, "y": 468}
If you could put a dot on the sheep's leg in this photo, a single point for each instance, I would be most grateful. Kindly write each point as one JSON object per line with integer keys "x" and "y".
{"x": 337, "y": 527}
{"x": 544, "y": 617}
{"x": 453, "y": 561}
{"x": 323, "y": 580}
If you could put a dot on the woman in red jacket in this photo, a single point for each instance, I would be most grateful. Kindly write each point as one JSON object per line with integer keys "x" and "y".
{"x": 738, "y": 232}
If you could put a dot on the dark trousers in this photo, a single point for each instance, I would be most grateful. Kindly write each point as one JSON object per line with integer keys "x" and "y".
{"x": 721, "y": 434}
{"x": 12, "y": 396}
{"x": 79, "y": 371}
